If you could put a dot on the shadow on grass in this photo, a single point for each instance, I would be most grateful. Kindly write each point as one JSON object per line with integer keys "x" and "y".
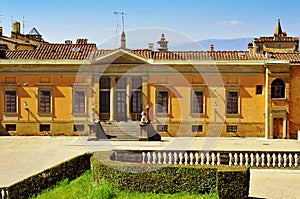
{"x": 255, "y": 198}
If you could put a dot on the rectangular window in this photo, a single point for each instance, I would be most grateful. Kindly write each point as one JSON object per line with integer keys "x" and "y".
{"x": 136, "y": 102}
{"x": 105, "y": 83}
{"x": 104, "y": 101}
{"x": 232, "y": 129}
{"x": 162, "y": 102}
{"x": 258, "y": 89}
{"x": 197, "y": 102}
{"x": 44, "y": 101}
{"x": 11, "y": 101}
{"x": 10, "y": 127}
{"x": 79, "y": 102}
{"x": 44, "y": 127}
{"x": 232, "y": 106}
{"x": 162, "y": 128}
{"x": 197, "y": 128}
{"x": 78, "y": 128}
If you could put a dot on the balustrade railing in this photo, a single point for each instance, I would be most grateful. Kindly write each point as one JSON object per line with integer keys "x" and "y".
{"x": 252, "y": 159}
{"x": 3, "y": 193}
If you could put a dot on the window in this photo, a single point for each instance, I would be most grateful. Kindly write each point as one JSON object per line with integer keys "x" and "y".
{"x": 44, "y": 101}
{"x": 105, "y": 101}
{"x": 105, "y": 83}
{"x": 197, "y": 102}
{"x": 79, "y": 101}
{"x": 10, "y": 127}
{"x": 162, "y": 128}
{"x": 231, "y": 128}
{"x": 277, "y": 89}
{"x": 136, "y": 83}
{"x": 197, "y": 128}
{"x": 44, "y": 127}
{"x": 258, "y": 89}
{"x": 232, "y": 106}
{"x": 162, "y": 102}
{"x": 78, "y": 128}
{"x": 121, "y": 83}
{"x": 10, "y": 101}
{"x": 136, "y": 102}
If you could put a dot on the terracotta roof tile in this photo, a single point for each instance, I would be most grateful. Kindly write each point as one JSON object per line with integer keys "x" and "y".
{"x": 292, "y": 57}
{"x": 266, "y": 39}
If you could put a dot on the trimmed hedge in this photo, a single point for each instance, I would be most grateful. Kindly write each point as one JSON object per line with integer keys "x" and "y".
{"x": 230, "y": 182}
{"x": 34, "y": 185}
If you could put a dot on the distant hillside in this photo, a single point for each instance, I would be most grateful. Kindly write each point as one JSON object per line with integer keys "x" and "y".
{"x": 239, "y": 44}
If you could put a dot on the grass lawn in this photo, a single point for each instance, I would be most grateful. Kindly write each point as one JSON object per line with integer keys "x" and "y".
{"x": 85, "y": 187}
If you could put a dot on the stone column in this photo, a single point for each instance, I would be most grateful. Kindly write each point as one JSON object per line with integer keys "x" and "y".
{"x": 96, "y": 100}
{"x": 112, "y": 98}
{"x": 284, "y": 132}
{"x": 128, "y": 96}
{"x": 267, "y": 121}
{"x": 145, "y": 95}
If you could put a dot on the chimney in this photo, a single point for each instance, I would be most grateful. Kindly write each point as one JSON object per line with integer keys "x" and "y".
{"x": 17, "y": 28}
{"x": 123, "y": 40}
{"x": 82, "y": 41}
{"x": 68, "y": 42}
{"x": 150, "y": 46}
{"x": 1, "y": 31}
{"x": 212, "y": 47}
{"x": 250, "y": 48}
{"x": 162, "y": 44}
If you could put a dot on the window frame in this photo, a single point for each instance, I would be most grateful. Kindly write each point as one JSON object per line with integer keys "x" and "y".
{"x": 233, "y": 113}
{"x": 273, "y": 95}
{"x": 39, "y": 101}
{"x": 162, "y": 113}
{"x": 16, "y": 101}
{"x": 192, "y": 94}
{"x": 73, "y": 101}
{"x": 232, "y": 126}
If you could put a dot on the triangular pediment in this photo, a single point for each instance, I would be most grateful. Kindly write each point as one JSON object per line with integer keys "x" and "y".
{"x": 119, "y": 56}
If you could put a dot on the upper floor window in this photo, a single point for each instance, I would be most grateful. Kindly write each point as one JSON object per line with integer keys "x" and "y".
{"x": 10, "y": 101}
{"x": 197, "y": 102}
{"x": 44, "y": 101}
{"x": 78, "y": 101}
{"x": 277, "y": 89}
{"x": 232, "y": 102}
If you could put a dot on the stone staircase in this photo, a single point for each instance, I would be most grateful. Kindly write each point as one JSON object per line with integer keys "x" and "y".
{"x": 129, "y": 130}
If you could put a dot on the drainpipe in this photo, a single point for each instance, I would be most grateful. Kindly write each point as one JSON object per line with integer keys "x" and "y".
{"x": 267, "y": 103}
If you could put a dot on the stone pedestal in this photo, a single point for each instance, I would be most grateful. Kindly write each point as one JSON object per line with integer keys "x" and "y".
{"x": 144, "y": 132}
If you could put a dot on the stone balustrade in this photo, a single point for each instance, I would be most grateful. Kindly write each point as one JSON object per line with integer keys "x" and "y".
{"x": 3, "y": 193}
{"x": 252, "y": 159}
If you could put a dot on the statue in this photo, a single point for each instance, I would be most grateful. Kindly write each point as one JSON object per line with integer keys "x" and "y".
{"x": 144, "y": 120}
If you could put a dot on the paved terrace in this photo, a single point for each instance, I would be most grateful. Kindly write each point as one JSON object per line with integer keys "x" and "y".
{"x": 21, "y": 157}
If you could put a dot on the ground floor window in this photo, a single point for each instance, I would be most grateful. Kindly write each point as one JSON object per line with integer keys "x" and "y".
{"x": 231, "y": 128}
{"x": 78, "y": 101}
{"x": 197, "y": 128}
{"x": 162, "y": 102}
{"x": 10, "y": 101}
{"x": 232, "y": 102}
{"x": 44, "y": 101}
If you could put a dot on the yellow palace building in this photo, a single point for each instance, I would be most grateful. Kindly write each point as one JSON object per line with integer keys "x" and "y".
{"x": 59, "y": 89}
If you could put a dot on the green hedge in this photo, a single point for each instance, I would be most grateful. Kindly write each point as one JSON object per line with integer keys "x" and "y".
{"x": 34, "y": 185}
{"x": 230, "y": 182}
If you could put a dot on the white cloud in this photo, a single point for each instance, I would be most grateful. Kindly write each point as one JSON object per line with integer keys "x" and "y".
{"x": 232, "y": 22}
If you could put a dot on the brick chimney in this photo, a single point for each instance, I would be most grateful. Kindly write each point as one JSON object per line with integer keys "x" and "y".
{"x": 212, "y": 47}
{"x": 17, "y": 27}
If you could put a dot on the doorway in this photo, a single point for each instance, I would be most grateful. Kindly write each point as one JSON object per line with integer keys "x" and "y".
{"x": 121, "y": 106}
{"x": 277, "y": 128}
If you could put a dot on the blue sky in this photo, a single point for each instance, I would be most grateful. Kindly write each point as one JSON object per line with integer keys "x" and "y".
{"x": 59, "y": 20}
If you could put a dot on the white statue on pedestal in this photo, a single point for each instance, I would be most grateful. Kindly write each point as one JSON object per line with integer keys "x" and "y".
{"x": 143, "y": 118}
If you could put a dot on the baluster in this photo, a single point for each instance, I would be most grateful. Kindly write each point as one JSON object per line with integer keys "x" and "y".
{"x": 263, "y": 160}
{"x": 165, "y": 157}
{"x": 197, "y": 158}
{"x": 153, "y": 157}
{"x": 159, "y": 157}
{"x": 143, "y": 157}
{"x": 186, "y": 158}
{"x": 257, "y": 159}
{"x": 148, "y": 158}
{"x": 274, "y": 160}
{"x": 296, "y": 160}
{"x": 191, "y": 158}
{"x": 213, "y": 156}
{"x": 284, "y": 160}
{"x": 230, "y": 159}
{"x": 251, "y": 160}
{"x": 241, "y": 159}
{"x": 170, "y": 158}
{"x": 290, "y": 160}
{"x": 218, "y": 159}
{"x": 246, "y": 159}
{"x": 202, "y": 158}
{"x": 279, "y": 160}
{"x": 180, "y": 158}
{"x": 207, "y": 158}
{"x": 235, "y": 159}
{"x": 268, "y": 160}
{"x": 175, "y": 158}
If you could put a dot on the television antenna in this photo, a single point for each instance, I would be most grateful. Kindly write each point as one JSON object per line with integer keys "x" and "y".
{"x": 24, "y": 24}
{"x": 118, "y": 14}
